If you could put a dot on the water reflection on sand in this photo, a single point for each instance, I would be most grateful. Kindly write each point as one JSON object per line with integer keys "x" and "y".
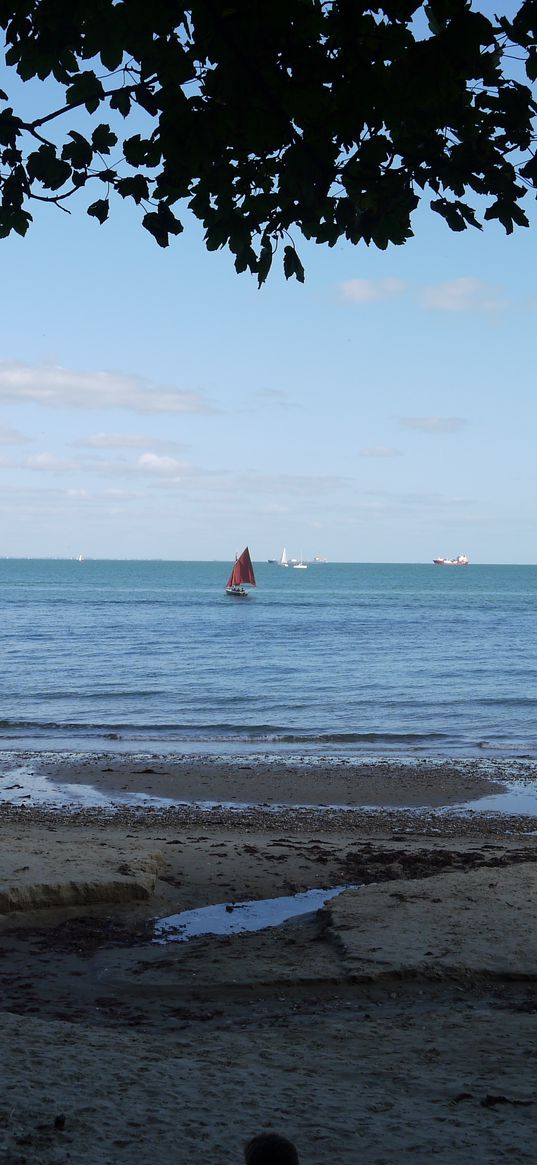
{"x": 226, "y": 918}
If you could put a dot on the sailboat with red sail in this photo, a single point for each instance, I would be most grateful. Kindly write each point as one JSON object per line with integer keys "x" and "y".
{"x": 242, "y": 575}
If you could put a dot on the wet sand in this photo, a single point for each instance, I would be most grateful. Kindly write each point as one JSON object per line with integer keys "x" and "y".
{"x": 187, "y": 779}
{"x": 397, "y": 1023}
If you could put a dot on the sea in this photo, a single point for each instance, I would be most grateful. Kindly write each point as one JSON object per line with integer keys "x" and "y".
{"x": 343, "y": 661}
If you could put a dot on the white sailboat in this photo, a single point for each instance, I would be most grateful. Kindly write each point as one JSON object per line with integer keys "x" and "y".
{"x": 283, "y": 559}
{"x": 300, "y": 565}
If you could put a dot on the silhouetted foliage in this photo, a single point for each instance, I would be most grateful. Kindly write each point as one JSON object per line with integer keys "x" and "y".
{"x": 330, "y": 117}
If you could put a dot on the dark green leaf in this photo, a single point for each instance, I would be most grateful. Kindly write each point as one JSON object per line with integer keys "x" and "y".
{"x": 102, "y": 139}
{"x": 121, "y": 100}
{"x": 246, "y": 259}
{"x": 508, "y": 214}
{"x": 12, "y": 56}
{"x": 153, "y": 223}
{"x": 135, "y": 150}
{"x": 264, "y": 263}
{"x": 169, "y": 220}
{"x": 531, "y": 64}
{"x": 99, "y": 209}
{"x": 10, "y": 127}
{"x": 78, "y": 151}
{"x": 292, "y": 264}
{"x": 145, "y": 97}
{"x": 87, "y": 90}
{"x": 13, "y": 220}
{"x": 136, "y": 187}
{"x": 529, "y": 171}
{"x": 44, "y": 166}
{"x": 21, "y": 220}
{"x": 161, "y": 224}
{"x": 112, "y": 56}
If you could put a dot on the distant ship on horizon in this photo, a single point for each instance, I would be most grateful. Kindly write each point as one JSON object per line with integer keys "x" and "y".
{"x": 283, "y": 560}
{"x": 460, "y": 560}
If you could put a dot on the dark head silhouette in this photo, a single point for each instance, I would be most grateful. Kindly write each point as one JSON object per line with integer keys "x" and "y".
{"x": 270, "y": 1149}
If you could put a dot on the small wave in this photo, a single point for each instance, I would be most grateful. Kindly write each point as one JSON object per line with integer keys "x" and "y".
{"x": 366, "y": 737}
{"x": 268, "y": 732}
{"x": 512, "y": 746}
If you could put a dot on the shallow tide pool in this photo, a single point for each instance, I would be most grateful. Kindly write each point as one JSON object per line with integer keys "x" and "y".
{"x": 226, "y": 918}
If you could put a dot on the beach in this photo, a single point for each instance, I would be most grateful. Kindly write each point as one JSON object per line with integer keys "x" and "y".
{"x": 396, "y": 1022}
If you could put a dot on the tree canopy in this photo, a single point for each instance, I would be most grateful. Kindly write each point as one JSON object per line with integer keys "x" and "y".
{"x": 269, "y": 118}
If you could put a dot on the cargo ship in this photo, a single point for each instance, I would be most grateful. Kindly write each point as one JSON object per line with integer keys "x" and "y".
{"x": 460, "y": 560}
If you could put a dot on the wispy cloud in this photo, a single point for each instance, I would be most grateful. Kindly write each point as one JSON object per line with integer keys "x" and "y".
{"x": 433, "y": 425}
{"x": 56, "y": 387}
{"x": 275, "y": 396}
{"x": 268, "y": 399}
{"x": 369, "y": 290}
{"x": 10, "y": 436}
{"x": 127, "y": 441}
{"x": 274, "y": 508}
{"x": 465, "y": 294}
{"x": 120, "y": 494}
{"x": 419, "y": 498}
{"x": 299, "y": 485}
{"x": 51, "y": 463}
{"x": 379, "y": 451}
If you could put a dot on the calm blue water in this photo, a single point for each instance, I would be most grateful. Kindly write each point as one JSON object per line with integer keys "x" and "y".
{"x": 339, "y": 659}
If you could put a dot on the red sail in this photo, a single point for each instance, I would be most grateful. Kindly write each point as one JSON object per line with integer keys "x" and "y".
{"x": 243, "y": 571}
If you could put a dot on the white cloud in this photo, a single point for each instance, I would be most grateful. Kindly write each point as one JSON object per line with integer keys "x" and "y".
{"x": 379, "y": 451}
{"x": 56, "y": 387}
{"x": 369, "y": 290}
{"x": 165, "y": 466}
{"x": 149, "y": 463}
{"x": 127, "y": 441}
{"x": 433, "y": 424}
{"x": 463, "y": 294}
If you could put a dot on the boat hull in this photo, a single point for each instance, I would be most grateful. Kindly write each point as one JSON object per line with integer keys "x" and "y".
{"x": 461, "y": 560}
{"x": 237, "y": 592}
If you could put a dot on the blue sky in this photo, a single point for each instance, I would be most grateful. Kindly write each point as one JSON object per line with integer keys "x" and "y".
{"x": 155, "y": 404}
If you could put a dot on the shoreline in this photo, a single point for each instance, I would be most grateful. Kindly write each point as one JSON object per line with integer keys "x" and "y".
{"x": 248, "y": 780}
{"x": 299, "y": 752}
{"x": 394, "y": 1019}
{"x": 418, "y": 797}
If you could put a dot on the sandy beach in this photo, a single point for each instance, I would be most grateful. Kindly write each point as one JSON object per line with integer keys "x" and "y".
{"x": 396, "y": 1022}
